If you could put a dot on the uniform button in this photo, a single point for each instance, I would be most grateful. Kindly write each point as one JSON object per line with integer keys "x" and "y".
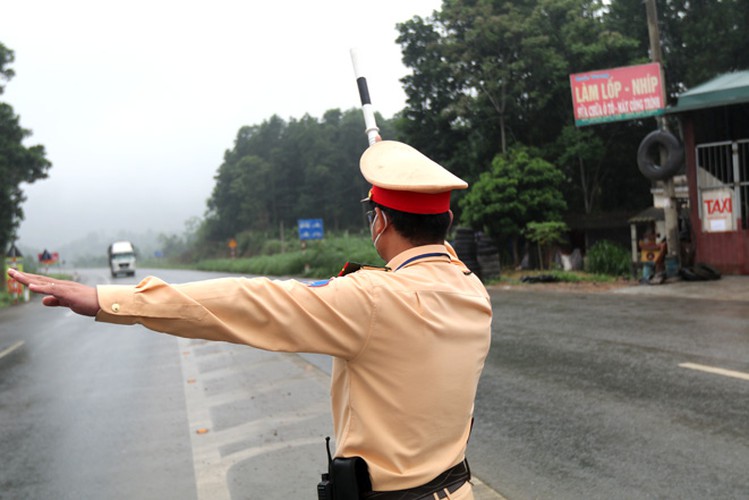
{"x": 116, "y": 308}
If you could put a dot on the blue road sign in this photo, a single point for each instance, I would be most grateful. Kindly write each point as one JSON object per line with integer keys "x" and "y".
{"x": 310, "y": 229}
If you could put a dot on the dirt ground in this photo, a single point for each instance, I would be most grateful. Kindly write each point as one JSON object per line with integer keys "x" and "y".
{"x": 579, "y": 286}
{"x": 728, "y": 288}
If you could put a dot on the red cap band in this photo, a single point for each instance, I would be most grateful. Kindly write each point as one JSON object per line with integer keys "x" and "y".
{"x": 411, "y": 201}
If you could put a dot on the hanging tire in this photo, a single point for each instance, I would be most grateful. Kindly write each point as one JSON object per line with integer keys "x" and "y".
{"x": 650, "y": 146}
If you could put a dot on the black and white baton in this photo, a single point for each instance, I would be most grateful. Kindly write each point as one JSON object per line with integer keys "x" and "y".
{"x": 370, "y": 126}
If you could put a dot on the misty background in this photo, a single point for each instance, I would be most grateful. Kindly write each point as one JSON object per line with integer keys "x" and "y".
{"x": 136, "y": 105}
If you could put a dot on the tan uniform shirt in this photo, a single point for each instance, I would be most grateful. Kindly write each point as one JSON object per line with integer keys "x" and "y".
{"x": 408, "y": 347}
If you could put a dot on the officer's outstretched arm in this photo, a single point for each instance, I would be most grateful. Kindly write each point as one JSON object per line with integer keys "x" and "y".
{"x": 79, "y": 298}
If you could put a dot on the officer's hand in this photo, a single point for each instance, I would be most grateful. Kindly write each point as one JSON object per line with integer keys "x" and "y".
{"x": 79, "y": 298}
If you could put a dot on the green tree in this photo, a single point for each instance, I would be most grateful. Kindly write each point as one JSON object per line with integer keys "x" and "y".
{"x": 582, "y": 155}
{"x": 544, "y": 234}
{"x": 430, "y": 121}
{"x": 491, "y": 74}
{"x": 519, "y": 189}
{"x": 502, "y": 67}
{"x": 6, "y": 72}
{"x": 493, "y": 203}
{"x": 18, "y": 163}
{"x": 281, "y": 171}
{"x": 500, "y": 56}
{"x": 700, "y": 39}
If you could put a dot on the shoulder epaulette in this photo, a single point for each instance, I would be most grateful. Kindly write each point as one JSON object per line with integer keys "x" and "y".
{"x": 352, "y": 267}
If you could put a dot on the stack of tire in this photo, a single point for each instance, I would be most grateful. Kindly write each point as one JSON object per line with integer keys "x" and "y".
{"x": 699, "y": 272}
{"x": 465, "y": 246}
{"x": 487, "y": 256}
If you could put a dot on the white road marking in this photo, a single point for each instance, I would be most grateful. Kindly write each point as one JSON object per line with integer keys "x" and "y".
{"x": 10, "y": 349}
{"x": 210, "y": 465}
{"x": 210, "y": 474}
{"x": 715, "y": 370}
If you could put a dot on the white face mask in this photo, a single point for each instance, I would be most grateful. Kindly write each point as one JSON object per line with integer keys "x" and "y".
{"x": 371, "y": 228}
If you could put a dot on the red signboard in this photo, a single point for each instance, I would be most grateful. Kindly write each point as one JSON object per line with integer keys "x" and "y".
{"x": 617, "y": 94}
{"x": 48, "y": 258}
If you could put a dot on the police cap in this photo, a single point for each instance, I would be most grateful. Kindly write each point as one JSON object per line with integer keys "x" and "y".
{"x": 404, "y": 179}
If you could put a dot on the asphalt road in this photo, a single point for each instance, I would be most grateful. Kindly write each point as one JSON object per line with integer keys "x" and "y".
{"x": 583, "y": 396}
{"x": 88, "y": 410}
{"x": 605, "y": 396}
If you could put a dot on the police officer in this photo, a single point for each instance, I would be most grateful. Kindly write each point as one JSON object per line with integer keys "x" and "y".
{"x": 408, "y": 341}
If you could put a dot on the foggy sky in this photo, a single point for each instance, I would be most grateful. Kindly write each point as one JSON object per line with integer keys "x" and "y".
{"x": 136, "y": 102}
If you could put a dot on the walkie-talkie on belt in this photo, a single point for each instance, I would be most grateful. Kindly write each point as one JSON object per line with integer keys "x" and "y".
{"x": 346, "y": 479}
{"x": 325, "y": 486}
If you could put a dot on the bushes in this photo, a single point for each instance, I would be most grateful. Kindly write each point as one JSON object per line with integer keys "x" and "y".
{"x": 5, "y": 299}
{"x": 321, "y": 259}
{"x": 605, "y": 257}
{"x": 325, "y": 258}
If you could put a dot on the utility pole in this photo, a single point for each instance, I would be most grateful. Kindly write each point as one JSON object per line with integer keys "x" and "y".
{"x": 671, "y": 218}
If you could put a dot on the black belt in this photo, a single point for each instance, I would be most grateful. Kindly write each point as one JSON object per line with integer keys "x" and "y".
{"x": 451, "y": 480}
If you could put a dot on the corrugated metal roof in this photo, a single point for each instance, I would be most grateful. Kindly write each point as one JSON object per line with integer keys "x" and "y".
{"x": 724, "y": 90}
{"x": 651, "y": 214}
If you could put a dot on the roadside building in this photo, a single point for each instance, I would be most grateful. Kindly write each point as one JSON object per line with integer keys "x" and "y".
{"x": 714, "y": 123}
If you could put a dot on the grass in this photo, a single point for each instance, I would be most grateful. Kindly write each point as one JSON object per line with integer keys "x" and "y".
{"x": 325, "y": 258}
{"x": 321, "y": 259}
{"x": 5, "y": 299}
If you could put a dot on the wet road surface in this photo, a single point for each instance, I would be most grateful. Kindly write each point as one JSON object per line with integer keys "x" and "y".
{"x": 597, "y": 396}
{"x": 583, "y": 396}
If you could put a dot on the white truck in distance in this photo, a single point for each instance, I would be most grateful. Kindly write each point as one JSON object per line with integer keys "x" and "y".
{"x": 121, "y": 258}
